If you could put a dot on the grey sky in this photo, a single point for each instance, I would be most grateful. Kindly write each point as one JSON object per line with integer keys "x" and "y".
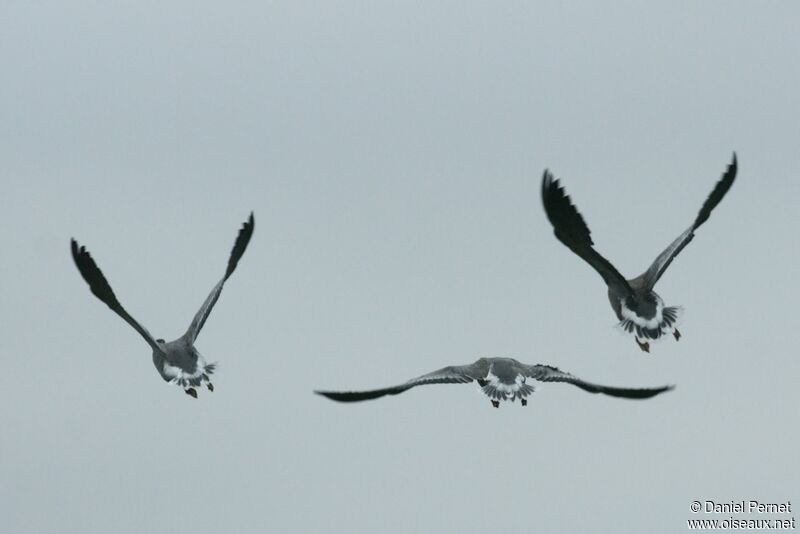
{"x": 392, "y": 154}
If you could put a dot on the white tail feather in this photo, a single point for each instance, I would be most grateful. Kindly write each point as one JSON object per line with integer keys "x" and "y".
{"x": 647, "y": 330}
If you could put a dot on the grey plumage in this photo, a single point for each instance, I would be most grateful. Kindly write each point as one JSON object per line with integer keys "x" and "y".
{"x": 177, "y": 361}
{"x": 641, "y": 310}
{"x": 499, "y": 378}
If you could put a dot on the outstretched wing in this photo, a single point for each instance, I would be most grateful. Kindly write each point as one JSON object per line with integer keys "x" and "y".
{"x": 99, "y": 286}
{"x": 449, "y": 375}
{"x": 238, "y": 249}
{"x": 571, "y": 230}
{"x": 654, "y": 272}
{"x": 547, "y": 373}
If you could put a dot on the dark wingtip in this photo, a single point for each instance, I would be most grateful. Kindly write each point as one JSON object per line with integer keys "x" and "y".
{"x": 93, "y": 276}
{"x": 79, "y": 254}
{"x": 334, "y": 395}
{"x": 648, "y": 393}
{"x": 547, "y": 184}
{"x": 355, "y": 396}
{"x": 567, "y": 222}
{"x": 719, "y": 192}
{"x": 550, "y": 187}
{"x": 242, "y": 240}
{"x": 547, "y": 180}
{"x": 328, "y": 394}
{"x": 635, "y": 394}
{"x": 733, "y": 165}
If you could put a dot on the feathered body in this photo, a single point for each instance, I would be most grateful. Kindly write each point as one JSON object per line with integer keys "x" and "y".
{"x": 178, "y": 362}
{"x": 501, "y": 379}
{"x": 640, "y": 310}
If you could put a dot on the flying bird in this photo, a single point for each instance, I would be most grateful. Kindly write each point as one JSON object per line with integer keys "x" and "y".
{"x": 640, "y": 310}
{"x": 501, "y": 379}
{"x": 178, "y": 362}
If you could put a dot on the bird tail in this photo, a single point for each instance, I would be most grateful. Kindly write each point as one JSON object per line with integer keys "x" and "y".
{"x": 196, "y": 379}
{"x": 670, "y": 316}
{"x": 507, "y": 392}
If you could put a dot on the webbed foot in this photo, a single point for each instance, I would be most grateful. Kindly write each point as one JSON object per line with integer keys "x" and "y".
{"x": 677, "y": 335}
{"x": 644, "y": 346}
{"x": 191, "y": 392}
{"x": 210, "y": 386}
{"x": 524, "y": 402}
{"x": 496, "y": 403}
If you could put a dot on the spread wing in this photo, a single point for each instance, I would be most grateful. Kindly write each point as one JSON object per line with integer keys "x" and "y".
{"x": 449, "y": 375}
{"x": 99, "y": 286}
{"x": 546, "y": 373}
{"x": 236, "y": 254}
{"x": 654, "y": 272}
{"x": 571, "y": 230}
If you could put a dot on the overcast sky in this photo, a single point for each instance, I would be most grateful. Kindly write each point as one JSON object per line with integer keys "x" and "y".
{"x": 392, "y": 154}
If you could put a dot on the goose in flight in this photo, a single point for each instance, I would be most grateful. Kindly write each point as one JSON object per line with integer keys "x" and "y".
{"x": 178, "y": 362}
{"x": 640, "y": 310}
{"x": 501, "y": 379}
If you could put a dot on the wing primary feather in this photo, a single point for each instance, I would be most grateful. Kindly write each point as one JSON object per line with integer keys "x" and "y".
{"x": 100, "y": 287}
{"x": 240, "y": 245}
{"x": 570, "y": 228}
{"x": 93, "y": 276}
{"x": 567, "y": 221}
{"x": 548, "y": 373}
{"x": 355, "y": 396}
{"x": 663, "y": 261}
{"x": 242, "y": 239}
{"x": 446, "y": 375}
{"x": 722, "y": 187}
